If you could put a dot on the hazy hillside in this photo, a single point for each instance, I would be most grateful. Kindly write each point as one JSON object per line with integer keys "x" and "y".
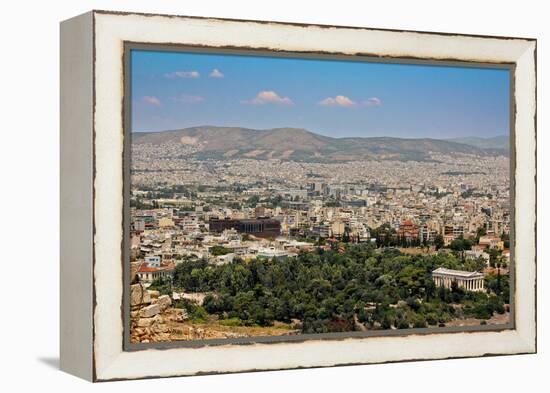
{"x": 302, "y": 145}
{"x": 499, "y": 143}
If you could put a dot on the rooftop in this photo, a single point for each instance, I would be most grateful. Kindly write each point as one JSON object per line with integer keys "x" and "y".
{"x": 456, "y": 273}
{"x": 145, "y": 268}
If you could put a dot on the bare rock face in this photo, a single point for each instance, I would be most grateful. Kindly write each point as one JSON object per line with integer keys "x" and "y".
{"x": 160, "y": 328}
{"x": 134, "y": 267}
{"x": 139, "y": 295}
{"x": 145, "y": 322}
{"x": 180, "y": 315}
{"x": 149, "y": 311}
{"x": 150, "y": 329}
{"x": 158, "y": 319}
{"x": 164, "y": 302}
{"x": 151, "y": 314}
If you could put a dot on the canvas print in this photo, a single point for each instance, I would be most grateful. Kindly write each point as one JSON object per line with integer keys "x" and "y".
{"x": 282, "y": 196}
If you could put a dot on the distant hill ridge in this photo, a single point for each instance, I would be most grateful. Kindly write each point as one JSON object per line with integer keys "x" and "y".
{"x": 496, "y": 142}
{"x": 302, "y": 145}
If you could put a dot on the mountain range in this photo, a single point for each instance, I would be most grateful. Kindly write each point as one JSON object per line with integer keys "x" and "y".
{"x": 302, "y": 145}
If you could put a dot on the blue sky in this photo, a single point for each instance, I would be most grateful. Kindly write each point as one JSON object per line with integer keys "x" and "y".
{"x": 172, "y": 90}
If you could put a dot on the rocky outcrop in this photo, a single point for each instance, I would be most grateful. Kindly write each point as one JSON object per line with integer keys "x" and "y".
{"x": 180, "y": 315}
{"x": 139, "y": 295}
{"x": 149, "y": 311}
{"x": 164, "y": 302}
{"x": 151, "y": 314}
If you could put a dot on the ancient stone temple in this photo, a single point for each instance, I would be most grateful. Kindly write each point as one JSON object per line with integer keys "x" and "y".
{"x": 469, "y": 281}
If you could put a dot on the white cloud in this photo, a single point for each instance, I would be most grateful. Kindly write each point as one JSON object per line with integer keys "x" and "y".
{"x": 348, "y": 102}
{"x": 373, "y": 101}
{"x": 337, "y": 101}
{"x": 151, "y": 100}
{"x": 216, "y": 74}
{"x": 268, "y": 97}
{"x": 183, "y": 74}
{"x": 188, "y": 99}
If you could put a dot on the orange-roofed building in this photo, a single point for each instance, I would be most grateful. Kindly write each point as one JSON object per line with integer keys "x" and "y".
{"x": 408, "y": 230}
{"x": 149, "y": 273}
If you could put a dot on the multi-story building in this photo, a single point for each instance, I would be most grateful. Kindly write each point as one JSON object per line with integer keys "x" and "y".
{"x": 259, "y": 227}
{"x": 408, "y": 231}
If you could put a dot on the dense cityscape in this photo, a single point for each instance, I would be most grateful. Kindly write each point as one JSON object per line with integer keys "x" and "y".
{"x": 194, "y": 220}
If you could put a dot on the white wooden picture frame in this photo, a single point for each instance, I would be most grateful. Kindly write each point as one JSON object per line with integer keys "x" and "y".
{"x": 92, "y": 195}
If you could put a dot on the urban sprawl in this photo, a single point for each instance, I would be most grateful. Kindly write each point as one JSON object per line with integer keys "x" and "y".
{"x": 224, "y": 210}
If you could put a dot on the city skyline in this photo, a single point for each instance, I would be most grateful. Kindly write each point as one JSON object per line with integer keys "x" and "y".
{"x": 175, "y": 90}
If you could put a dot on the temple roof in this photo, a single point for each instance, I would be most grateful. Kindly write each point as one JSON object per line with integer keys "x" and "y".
{"x": 456, "y": 273}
